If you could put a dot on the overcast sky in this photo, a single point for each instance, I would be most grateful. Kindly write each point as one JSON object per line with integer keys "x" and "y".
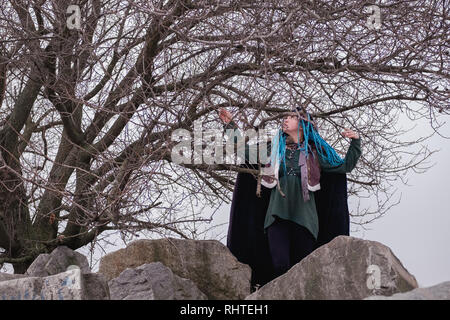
{"x": 418, "y": 229}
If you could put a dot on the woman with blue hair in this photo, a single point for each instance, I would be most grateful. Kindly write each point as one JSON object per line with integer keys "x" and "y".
{"x": 298, "y": 157}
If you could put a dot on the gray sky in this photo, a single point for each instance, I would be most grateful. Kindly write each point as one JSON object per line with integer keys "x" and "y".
{"x": 418, "y": 229}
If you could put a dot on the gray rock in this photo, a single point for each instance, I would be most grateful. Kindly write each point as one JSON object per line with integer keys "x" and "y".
{"x": 345, "y": 268}
{"x": 64, "y": 286}
{"x": 69, "y": 285}
{"x": 153, "y": 281}
{"x": 95, "y": 287}
{"x": 440, "y": 291}
{"x": 10, "y": 276}
{"x": 56, "y": 262}
{"x": 208, "y": 263}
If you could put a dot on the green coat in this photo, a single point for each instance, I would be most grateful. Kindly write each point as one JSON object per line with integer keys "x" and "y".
{"x": 292, "y": 207}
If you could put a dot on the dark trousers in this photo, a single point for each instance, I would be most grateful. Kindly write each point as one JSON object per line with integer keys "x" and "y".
{"x": 289, "y": 243}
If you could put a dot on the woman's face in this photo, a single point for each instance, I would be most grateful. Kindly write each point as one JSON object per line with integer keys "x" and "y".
{"x": 290, "y": 124}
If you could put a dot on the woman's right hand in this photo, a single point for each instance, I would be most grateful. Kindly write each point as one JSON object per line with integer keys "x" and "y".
{"x": 225, "y": 115}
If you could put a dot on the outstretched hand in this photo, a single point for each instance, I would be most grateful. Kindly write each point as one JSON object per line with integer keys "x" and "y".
{"x": 350, "y": 134}
{"x": 225, "y": 115}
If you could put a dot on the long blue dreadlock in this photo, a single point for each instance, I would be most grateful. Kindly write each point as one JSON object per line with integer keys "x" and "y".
{"x": 324, "y": 150}
{"x": 310, "y": 134}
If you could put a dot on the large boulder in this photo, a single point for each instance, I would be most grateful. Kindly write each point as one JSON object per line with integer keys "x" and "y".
{"x": 208, "y": 263}
{"x": 56, "y": 262}
{"x": 344, "y": 268}
{"x": 440, "y": 291}
{"x": 68, "y": 285}
{"x": 153, "y": 281}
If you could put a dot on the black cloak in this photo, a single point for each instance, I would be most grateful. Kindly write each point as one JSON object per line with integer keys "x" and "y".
{"x": 246, "y": 237}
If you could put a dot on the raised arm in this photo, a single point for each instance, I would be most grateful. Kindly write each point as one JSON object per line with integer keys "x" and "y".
{"x": 232, "y": 132}
{"x": 351, "y": 158}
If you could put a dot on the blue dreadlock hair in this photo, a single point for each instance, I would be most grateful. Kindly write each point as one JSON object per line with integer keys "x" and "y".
{"x": 324, "y": 150}
{"x": 310, "y": 134}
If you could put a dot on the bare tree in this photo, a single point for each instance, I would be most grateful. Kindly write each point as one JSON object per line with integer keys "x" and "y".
{"x": 88, "y": 111}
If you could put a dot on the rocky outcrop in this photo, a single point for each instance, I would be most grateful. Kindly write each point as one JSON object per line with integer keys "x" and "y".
{"x": 174, "y": 269}
{"x": 69, "y": 285}
{"x": 208, "y": 263}
{"x": 56, "y": 262}
{"x": 345, "y": 268}
{"x": 63, "y": 274}
{"x": 153, "y": 281}
{"x": 440, "y": 291}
